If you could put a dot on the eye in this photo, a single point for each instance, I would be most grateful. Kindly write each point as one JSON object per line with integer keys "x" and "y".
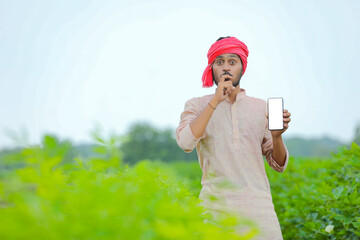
{"x": 232, "y": 62}
{"x": 219, "y": 62}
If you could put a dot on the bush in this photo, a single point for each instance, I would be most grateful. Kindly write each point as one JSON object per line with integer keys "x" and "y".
{"x": 42, "y": 196}
{"x": 319, "y": 198}
{"x": 190, "y": 174}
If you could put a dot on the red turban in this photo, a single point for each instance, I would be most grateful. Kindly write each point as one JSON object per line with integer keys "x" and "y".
{"x": 225, "y": 45}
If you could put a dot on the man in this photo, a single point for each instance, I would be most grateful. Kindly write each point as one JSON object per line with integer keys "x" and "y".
{"x": 230, "y": 132}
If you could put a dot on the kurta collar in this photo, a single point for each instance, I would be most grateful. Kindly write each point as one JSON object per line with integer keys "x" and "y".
{"x": 241, "y": 94}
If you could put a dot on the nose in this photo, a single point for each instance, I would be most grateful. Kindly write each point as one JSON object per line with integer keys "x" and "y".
{"x": 226, "y": 67}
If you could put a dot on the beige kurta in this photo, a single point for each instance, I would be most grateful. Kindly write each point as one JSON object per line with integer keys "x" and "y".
{"x": 232, "y": 149}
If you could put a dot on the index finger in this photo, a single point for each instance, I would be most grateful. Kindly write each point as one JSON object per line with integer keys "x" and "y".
{"x": 225, "y": 76}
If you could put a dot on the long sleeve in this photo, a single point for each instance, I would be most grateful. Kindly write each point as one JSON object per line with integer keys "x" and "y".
{"x": 184, "y": 136}
{"x": 267, "y": 150}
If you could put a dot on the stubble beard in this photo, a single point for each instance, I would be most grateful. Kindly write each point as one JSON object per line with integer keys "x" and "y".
{"x": 235, "y": 84}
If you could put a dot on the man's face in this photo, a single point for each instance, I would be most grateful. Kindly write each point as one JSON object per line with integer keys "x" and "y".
{"x": 227, "y": 64}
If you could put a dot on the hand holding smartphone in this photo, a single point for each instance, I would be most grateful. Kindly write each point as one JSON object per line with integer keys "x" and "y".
{"x": 275, "y": 109}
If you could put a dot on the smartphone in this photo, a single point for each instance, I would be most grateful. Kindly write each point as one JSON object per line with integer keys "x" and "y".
{"x": 275, "y": 108}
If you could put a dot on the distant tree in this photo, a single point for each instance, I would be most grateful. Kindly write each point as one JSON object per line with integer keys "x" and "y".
{"x": 357, "y": 134}
{"x": 144, "y": 141}
{"x": 315, "y": 147}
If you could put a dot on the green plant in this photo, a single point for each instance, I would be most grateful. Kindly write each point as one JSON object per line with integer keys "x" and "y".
{"x": 42, "y": 196}
{"x": 319, "y": 198}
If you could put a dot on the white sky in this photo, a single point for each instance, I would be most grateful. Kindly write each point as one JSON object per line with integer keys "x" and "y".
{"x": 67, "y": 65}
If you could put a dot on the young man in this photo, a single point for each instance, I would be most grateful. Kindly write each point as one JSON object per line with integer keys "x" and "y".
{"x": 230, "y": 132}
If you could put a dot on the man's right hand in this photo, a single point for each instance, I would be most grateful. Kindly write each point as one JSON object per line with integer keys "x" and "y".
{"x": 224, "y": 88}
{"x": 198, "y": 125}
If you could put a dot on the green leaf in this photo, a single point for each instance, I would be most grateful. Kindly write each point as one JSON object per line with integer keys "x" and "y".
{"x": 49, "y": 141}
{"x": 337, "y": 191}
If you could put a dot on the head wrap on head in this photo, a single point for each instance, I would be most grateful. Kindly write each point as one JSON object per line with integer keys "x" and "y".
{"x": 226, "y": 45}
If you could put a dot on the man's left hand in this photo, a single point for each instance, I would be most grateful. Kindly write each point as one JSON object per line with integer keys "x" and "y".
{"x": 286, "y": 119}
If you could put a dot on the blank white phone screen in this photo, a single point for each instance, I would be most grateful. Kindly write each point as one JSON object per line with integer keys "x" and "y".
{"x": 275, "y": 108}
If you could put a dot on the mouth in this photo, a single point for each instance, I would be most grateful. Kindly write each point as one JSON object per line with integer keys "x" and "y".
{"x": 227, "y": 73}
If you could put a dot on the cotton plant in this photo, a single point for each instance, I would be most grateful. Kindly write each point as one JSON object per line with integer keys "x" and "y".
{"x": 44, "y": 195}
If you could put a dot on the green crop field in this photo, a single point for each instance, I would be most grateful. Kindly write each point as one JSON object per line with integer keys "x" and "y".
{"x": 44, "y": 194}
